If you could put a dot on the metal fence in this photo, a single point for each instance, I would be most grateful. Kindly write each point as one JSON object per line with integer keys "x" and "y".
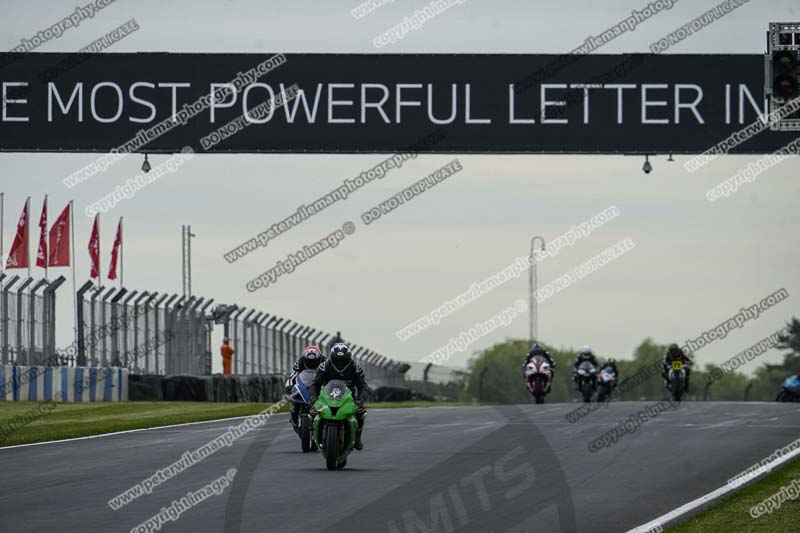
{"x": 267, "y": 344}
{"x": 148, "y": 333}
{"x": 27, "y": 320}
{"x": 152, "y": 333}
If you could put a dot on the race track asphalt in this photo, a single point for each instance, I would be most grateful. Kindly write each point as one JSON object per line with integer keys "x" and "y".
{"x": 506, "y": 469}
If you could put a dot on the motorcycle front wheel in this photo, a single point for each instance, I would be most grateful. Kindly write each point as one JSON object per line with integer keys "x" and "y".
{"x": 331, "y": 447}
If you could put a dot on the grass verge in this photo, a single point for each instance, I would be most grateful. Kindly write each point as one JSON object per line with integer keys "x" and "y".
{"x": 27, "y": 422}
{"x": 733, "y": 512}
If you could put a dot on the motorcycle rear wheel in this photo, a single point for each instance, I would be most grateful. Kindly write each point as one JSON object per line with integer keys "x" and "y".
{"x": 677, "y": 390}
{"x": 586, "y": 391}
{"x": 306, "y": 439}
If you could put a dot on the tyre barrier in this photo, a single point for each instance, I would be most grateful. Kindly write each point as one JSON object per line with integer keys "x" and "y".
{"x": 214, "y": 388}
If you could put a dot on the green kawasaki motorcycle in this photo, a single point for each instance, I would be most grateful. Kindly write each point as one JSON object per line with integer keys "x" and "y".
{"x": 335, "y": 425}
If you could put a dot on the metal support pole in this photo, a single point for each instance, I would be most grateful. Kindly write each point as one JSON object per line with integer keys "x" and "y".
{"x": 49, "y": 355}
{"x": 159, "y": 361}
{"x": 262, "y": 344}
{"x": 32, "y": 359}
{"x": 208, "y": 325}
{"x": 115, "y": 359}
{"x": 104, "y": 320}
{"x": 271, "y": 325}
{"x": 93, "y": 329}
{"x": 255, "y": 337}
{"x": 135, "y": 363}
{"x": 125, "y": 328}
{"x": 291, "y": 353}
{"x": 533, "y": 313}
{"x": 18, "y": 357}
{"x": 283, "y": 346}
{"x": 245, "y": 330}
{"x": 170, "y": 333}
{"x": 4, "y": 317}
{"x": 80, "y": 325}
{"x": 197, "y": 353}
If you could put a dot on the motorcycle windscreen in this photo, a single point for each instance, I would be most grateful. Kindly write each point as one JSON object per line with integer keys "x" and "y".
{"x": 302, "y": 386}
{"x": 336, "y": 390}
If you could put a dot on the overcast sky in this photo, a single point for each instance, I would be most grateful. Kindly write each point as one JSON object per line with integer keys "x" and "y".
{"x": 695, "y": 263}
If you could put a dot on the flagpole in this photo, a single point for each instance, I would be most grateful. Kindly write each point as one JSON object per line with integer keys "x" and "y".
{"x": 2, "y": 229}
{"x": 121, "y": 253}
{"x": 45, "y": 237}
{"x": 99, "y": 256}
{"x": 28, "y": 236}
{"x": 72, "y": 266}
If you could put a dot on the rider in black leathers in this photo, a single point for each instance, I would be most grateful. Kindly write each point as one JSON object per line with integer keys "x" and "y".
{"x": 310, "y": 360}
{"x": 537, "y": 349}
{"x": 585, "y": 355}
{"x": 674, "y": 353}
{"x": 611, "y": 364}
{"x": 341, "y": 366}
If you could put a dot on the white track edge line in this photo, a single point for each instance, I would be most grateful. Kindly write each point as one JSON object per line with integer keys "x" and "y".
{"x": 126, "y": 431}
{"x": 658, "y": 523}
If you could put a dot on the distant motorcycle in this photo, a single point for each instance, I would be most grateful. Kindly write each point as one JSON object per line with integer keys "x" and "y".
{"x": 677, "y": 380}
{"x": 790, "y": 391}
{"x": 587, "y": 380}
{"x": 538, "y": 377}
{"x": 606, "y": 381}
{"x": 300, "y": 395}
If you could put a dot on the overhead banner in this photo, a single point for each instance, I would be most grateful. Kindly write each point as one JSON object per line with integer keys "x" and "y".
{"x": 163, "y": 102}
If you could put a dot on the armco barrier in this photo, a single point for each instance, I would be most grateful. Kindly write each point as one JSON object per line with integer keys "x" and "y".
{"x": 63, "y": 384}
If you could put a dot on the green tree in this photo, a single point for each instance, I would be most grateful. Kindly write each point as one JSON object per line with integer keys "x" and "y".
{"x": 791, "y": 341}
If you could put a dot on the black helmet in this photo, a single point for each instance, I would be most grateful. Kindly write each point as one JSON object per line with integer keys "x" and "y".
{"x": 340, "y": 353}
{"x": 673, "y": 349}
{"x": 537, "y": 349}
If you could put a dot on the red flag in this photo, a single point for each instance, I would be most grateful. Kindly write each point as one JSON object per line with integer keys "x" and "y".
{"x": 18, "y": 256}
{"x": 94, "y": 248}
{"x": 41, "y": 255}
{"x": 112, "y": 268}
{"x": 59, "y": 240}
